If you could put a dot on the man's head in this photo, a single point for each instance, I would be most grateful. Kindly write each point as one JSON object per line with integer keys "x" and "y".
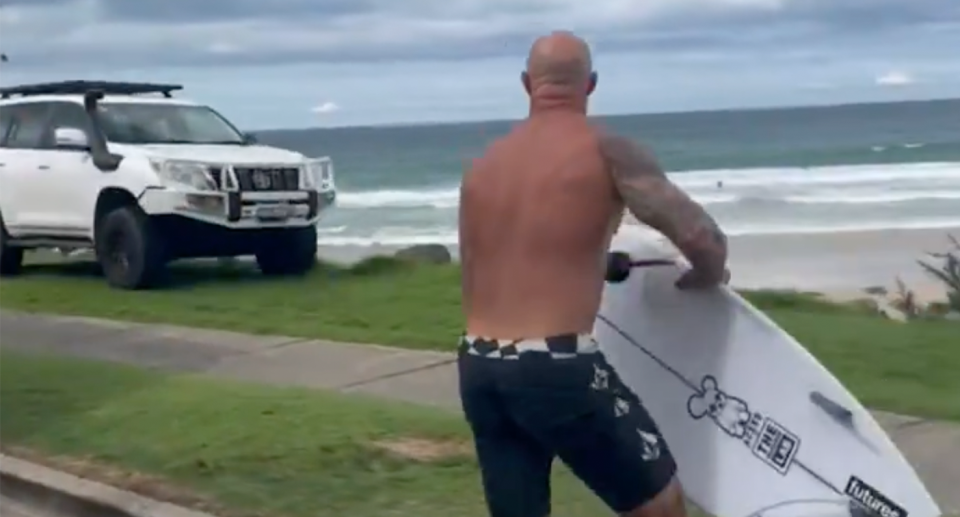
{"x": 559, "y": 70}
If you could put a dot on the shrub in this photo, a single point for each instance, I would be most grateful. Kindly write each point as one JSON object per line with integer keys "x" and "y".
{"x": 947, "y": 271}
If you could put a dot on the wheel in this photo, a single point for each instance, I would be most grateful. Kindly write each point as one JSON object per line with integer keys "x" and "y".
{"x": 288, "y": 252}
{"x": 11, "y": 257}
{"x": 129, "y": 250}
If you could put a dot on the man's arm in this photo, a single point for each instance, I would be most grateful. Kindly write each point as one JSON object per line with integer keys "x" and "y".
{"x": 654, "y": 200}
{"x": 466, "y": 280}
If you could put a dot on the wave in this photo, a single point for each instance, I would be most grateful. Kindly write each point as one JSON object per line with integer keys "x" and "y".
{"x": 837, "y": 175}
{"x": 448, "y": 236}
{"x": 833, "y": 184}
{"x": 430, "y": 198}
{"x": 852, "y": 198}
{"x": 881, "y": 148}
{"x": 888, "y": 198}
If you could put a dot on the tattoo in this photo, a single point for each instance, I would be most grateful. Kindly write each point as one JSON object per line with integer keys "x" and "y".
{"x": 656, "y": 201}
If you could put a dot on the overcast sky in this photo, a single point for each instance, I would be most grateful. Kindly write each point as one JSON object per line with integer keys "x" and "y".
{"x": 296, "y": 63}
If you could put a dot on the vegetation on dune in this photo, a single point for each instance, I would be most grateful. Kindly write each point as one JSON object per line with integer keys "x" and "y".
{"x": 943, "y": 267}
{"x": 947, "y": 271}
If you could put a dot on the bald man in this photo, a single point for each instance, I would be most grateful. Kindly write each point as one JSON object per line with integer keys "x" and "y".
{"x": 537, "y": 213}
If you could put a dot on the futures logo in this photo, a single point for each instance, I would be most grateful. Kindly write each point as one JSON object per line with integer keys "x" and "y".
{"x": 871, "y": 499}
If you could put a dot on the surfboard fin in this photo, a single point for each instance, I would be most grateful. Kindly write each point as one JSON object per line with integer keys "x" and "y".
{"x": 842, "y": 415}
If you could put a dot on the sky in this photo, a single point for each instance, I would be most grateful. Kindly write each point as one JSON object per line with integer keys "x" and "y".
{"x": 314, "y": 63}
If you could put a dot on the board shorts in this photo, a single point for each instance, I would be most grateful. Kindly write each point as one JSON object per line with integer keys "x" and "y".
{"x": 530, "y": 401}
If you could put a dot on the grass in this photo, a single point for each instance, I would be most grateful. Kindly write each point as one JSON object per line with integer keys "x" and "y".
{"x": 242, "y": 450}
{"x": 907, "y": 368}
{"x": 377, "y": 301}
{"x": 246, "y": 450}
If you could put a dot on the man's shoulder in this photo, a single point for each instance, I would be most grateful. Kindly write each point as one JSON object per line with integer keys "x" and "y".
{"x": 618, "y": 149}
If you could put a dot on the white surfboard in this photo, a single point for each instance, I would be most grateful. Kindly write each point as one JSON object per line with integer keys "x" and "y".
{"x": 758, "y": 426}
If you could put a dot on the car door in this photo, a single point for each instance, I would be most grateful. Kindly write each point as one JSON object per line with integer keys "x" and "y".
{"x": 74, "y": 180}
{"x": 24, "y": 171}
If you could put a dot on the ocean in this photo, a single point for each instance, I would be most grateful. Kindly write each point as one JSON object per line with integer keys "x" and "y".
{"x": 774, "y": 171}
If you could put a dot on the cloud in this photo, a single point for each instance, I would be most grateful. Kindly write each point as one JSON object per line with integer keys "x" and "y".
{"x": 263, "y": 62}
{"x": 818, "y": 86}
{"x": 223, "y": 47}
{"x": 326, "y": 107}
{"x": 125, "y": 33}
{"x": 895, "y": 78}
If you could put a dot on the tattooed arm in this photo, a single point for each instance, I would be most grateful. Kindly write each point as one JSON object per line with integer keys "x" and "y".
{"x": 656, "y": 201}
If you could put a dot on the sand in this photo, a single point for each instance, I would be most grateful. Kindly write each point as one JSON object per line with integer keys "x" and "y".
{"x": 840, "y": 265}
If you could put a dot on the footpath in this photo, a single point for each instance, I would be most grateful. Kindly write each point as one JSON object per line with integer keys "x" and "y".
{"x": 422, "y": 377}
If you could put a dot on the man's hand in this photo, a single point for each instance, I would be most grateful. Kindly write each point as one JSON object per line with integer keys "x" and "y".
{"x": 654, "y": 200}
{"x": 693, "y": 280}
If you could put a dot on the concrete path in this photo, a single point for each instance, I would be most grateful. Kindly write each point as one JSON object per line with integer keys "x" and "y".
{"x": 421, "y": 377}
{"x": 11, "y": 508}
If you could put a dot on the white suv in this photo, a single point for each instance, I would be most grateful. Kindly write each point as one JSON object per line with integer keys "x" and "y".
{"x": 144, "y": 180}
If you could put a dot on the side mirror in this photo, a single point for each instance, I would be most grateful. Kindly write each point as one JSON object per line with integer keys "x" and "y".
{"x": 71, "y": 138}
{"x": 249, "y": 138}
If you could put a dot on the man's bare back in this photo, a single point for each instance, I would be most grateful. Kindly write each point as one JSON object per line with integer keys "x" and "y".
{"x": 537, "y": 213}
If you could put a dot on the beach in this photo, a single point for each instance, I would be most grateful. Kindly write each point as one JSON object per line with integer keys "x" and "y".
{"x": 840, "y": 265}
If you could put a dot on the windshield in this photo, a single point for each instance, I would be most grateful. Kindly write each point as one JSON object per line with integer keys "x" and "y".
{"x": 131, "y": 123}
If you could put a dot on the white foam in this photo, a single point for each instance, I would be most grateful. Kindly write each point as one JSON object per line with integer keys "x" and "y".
{"x": 439, "y": 198}
{"x": 879, "y": 198}
{"x": 814, "y": 176}
{"x": 838, "y": 184}
{"x": 786, "y": 229}
{"x": 448, "y": 236}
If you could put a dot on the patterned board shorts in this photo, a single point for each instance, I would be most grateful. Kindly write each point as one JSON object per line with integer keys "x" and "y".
{"x": 529, "y": 401}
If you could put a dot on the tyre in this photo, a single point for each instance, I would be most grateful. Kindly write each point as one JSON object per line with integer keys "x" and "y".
{"x": 288, "y": 252}
{"x": 11, "y": 257}
{"x": 129, "y": 250}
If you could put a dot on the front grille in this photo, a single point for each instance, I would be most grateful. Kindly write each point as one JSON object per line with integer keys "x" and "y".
{"x": 268, "y": 178}
{"x": 216, "y": 173}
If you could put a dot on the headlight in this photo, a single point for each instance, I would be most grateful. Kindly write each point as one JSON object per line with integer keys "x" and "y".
{"x": 319, "y": 174}
{"x": 177, "y": 173}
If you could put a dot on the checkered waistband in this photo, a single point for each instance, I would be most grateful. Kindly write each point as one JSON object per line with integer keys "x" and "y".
{"x": 566, "y": 346}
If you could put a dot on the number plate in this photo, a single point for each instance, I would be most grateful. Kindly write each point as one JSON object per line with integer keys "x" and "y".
{"x": 274, "y": 212}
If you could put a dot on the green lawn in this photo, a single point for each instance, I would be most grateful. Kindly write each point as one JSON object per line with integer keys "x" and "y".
{"x": 254, "y": 450}
{"x": 251, "y": 449}
{"x": 379, "y": 301}
{"x": 908, "y": 368}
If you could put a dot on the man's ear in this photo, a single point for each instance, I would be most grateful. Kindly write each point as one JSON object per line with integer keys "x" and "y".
{"x": 525, "y": 79}
{"x": 592, "y": 84}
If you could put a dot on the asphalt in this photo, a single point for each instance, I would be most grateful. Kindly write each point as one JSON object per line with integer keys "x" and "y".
{"x": 429, "y": 378}
{"x": 11, "y": 508}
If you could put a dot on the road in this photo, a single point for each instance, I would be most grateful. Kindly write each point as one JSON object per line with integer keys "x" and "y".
{"x": 10, "y": 508}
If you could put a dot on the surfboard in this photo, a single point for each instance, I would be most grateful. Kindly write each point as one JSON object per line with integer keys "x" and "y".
{"x": 757, "y": 425}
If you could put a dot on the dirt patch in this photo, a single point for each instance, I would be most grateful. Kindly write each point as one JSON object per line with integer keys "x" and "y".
{"x": 424, "y": 449}
{"x": 146, "y": 485}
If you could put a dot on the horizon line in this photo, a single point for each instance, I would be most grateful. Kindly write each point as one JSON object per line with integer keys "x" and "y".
{"x": 789, "y": 107}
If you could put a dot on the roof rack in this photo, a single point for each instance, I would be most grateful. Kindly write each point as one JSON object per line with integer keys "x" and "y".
{"x": 82, "y": 87}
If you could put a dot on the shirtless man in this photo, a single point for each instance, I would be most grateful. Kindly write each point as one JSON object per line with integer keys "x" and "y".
{"x": 536, "y": 216}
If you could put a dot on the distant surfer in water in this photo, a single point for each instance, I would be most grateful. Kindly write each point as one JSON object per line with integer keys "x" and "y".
{"x": 537, "y": 213}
